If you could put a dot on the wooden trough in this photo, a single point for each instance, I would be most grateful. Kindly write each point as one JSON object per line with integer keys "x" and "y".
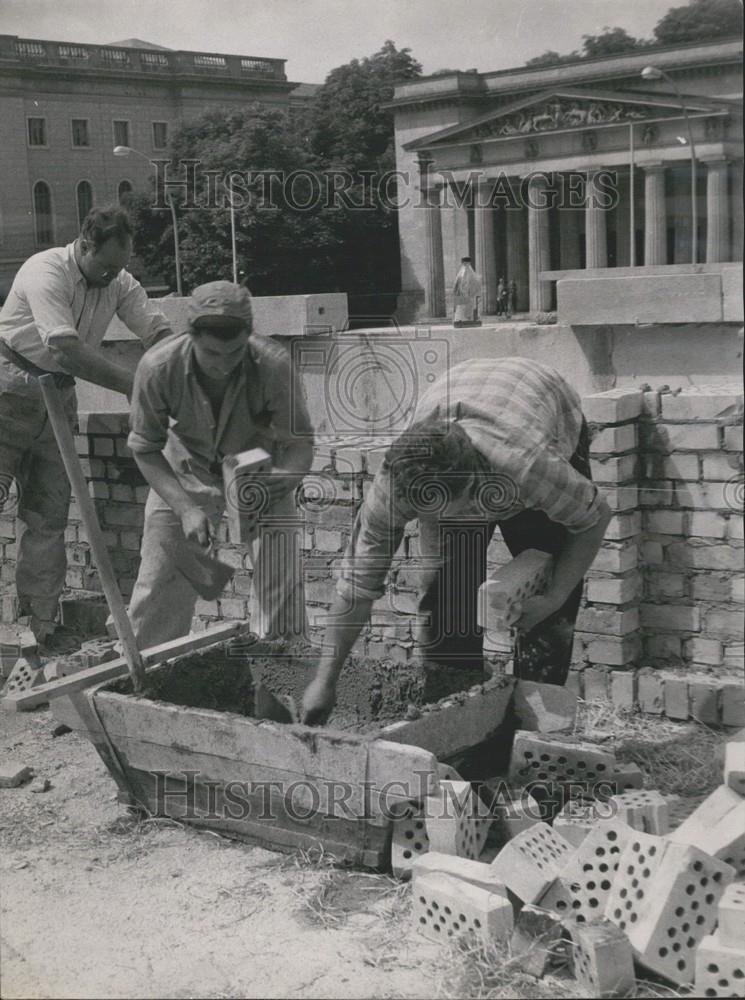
{"x": 191, "y": 747}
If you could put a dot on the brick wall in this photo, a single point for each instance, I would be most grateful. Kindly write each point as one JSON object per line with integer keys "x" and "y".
{"x": 665, "y": 593}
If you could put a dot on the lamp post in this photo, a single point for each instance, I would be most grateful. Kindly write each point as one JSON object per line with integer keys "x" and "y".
{"x": 654, "y": 73}
{"x": 233, "y": 248}
{"x": 126, "y": 151}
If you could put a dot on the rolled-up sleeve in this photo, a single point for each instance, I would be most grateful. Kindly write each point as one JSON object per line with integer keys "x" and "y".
{"x": 376, "y": 535}
{"x": 552, "y": 485}
{"x": 49, "y": 296}
{"x": 148, "y": 418}
{"x": 139, "y": 313}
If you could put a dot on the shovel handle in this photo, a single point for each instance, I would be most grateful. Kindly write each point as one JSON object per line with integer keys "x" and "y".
{"x": 66, "y": 443}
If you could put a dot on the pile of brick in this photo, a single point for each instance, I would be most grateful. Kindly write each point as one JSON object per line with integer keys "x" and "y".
{"x": 589, "y": 874}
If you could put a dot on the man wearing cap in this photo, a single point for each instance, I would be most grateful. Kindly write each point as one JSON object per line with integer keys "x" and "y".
{"x": 53, "y": 322}
{"x": 215, "y": 391}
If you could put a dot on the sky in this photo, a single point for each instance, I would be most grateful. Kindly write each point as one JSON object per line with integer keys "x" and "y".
{"x": 314, "y": 36}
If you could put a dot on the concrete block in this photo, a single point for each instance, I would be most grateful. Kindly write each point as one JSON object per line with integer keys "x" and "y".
{"x": 645, "y": 810}
{"x": 446, "y": 907}
{"x": 501, "y": 596}
{"x": 650, "y": 692}
{"x": 575, "y": 820}
{"x": 537, "y": 942}
{"x": 455, "y": 820}
{"x": 464, "y": 869}
{"x": 531, "y": 861}
{"x": 409, "y": 841}
{"x": 581, "y": 890}
{"x": 12, "y": 773}
{"x": 612, "y": 407}
{"x": 720, "y": 968}
{"x": 561, "y": 760}
{"x": 731, "y": 916}
{"x": 544, "y": 708}
{"x": 717, "y": 826}
{"x": 734, "y": 766}
{"x": 602, "y": 960}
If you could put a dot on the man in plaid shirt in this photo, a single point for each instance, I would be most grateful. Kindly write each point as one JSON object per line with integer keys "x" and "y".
{"x": 494, "y": 442}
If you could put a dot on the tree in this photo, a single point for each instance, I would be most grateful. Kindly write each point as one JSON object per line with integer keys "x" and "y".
{"x": 552, "y": 58}
{"x": 699, "y": 19}
{"x": 609, "y": 43}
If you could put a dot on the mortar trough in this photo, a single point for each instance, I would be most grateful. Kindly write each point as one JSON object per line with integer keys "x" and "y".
{"x": 192, "y": 748}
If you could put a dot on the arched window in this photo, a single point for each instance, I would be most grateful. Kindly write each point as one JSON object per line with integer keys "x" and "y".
{"x": 125, "y": 192}
{"x": 43, "y": 221}
{"x": 85, "y": 200}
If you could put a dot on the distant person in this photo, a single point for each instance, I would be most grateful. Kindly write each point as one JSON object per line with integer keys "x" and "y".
{"x": 511, "y": 297}
{"x": 53, "y": 322}
{"x": 501, "y": 297}
{"x": 466, "y": 295}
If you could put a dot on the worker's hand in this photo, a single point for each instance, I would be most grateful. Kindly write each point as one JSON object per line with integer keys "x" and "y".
{"x": 318, "y": 702}
{"x": 535, "y": 610}
{"x": 279, "y": 482}
{"x": 196, "y": 526}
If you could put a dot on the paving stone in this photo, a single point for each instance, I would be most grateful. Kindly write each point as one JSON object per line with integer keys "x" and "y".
{"x": 582, "y": 888}
{"x": 408, "y": 842}
{"x": 501, "y": 596}
{"x": 717, "y": 826}
{"x": 474, "y": 872}
{"x": 643, "y": 809}
{"x": 720, "y": 968}
{"x": 558, "y": 760}
{"x": 12, "y": 773}
{"x": 531, "y": 861}
{"x": 602, "y": 960}
{"x": 731, "y": 916}
{"x": 457, "y": 822}
{"x": 537, "y": 943}
{"x": 734, "y": 765}
{"x": 446, "y": 907}
{"x": 544, "y": 708}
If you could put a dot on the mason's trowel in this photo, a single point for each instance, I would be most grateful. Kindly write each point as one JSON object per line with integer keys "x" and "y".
{"x": 269, "y": 706}
{"x": 207, "y": 575}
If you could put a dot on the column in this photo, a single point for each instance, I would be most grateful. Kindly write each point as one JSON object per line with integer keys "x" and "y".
{"x": 486, "y": 264}
{"x": 655, "y": 215}
{"x": 539, "y": 258}
{"x": 596, "y": 236}
{"x": 717, "y": 211}
{"x": 516, "y": 224}
{"x": 434, "y": 291}
{"x": 737, "y": 210}
{"x": 681, "y": 208}
{"x": 570, "y": 233}
{"x": 623, "y": 222}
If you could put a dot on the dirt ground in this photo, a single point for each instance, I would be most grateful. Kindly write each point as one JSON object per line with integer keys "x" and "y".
{"x": 98, "y": 904}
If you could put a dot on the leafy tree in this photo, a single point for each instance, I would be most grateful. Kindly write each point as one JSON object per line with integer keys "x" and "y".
{"x": 609, "y": 43}
{"x": 552, "y": 58}
{"x": 699, "y": 19}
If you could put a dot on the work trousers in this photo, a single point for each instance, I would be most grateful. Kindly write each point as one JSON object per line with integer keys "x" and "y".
{"x": 30, "y": 456}
{"x": 163, "y": 600}
{"x": 455, "y": 553}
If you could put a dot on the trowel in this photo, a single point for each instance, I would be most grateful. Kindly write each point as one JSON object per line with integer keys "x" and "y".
{"x": 269, "y": 706}
{"x": 207, "y": 574}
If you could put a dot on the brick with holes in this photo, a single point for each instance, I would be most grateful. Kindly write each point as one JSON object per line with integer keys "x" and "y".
{"x": 601, "y": 959}
{"x": 731, "y": 916}
{"x": 538, "y": 757}
{"x": 531, "y": 861}
{"x": 643, "y": 809}
{"x": 514, "y": 810}
{"x": 637, "y": 865}
{"x": 583, "y": 886}
{"x": 717, "y": 826}
{"x": 501, "y": 596}
{"x": 575, "y": 820}
{"x": 537, "y": 943}
{"x": 456, "y": 819}
{"x": 627, "y": 776}
{"x": 408, "y": 842}
{"x": 734, "y": 765}
{"x": 243, "y": 493}
{"x": 446, "y": 907}
{"x": 23, "y": 676}
{"x": 720, "y": 968}
{"x": 474, "y": 872}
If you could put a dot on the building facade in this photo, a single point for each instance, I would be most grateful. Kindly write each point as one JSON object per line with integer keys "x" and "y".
{"x": 64, "y": 107}
{"x": 536, "y": 172}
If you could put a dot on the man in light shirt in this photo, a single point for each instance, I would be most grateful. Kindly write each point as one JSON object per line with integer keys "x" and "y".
{"x": 53, "y": 321}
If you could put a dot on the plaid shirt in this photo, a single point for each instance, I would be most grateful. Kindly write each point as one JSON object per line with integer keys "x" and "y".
{"x": 525, "y": 421}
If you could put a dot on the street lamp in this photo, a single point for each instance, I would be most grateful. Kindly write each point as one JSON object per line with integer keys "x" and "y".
{"x": 126, "y": 151}
{"x": 654, "y": 73}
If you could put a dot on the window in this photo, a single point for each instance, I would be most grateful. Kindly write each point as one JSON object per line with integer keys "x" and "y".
{"x": 80, "y": 135}
{"x": 43, "y": 222}
{"x": 160, "y": 135}
{"x": 37, "y": 131}
{"x": 84, "y": 197}
{"x": 125, "y": 192}
{"x": 121, "y": 133}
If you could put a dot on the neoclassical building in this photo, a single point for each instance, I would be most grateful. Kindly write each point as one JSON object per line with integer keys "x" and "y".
{"x": 540, "y": 172}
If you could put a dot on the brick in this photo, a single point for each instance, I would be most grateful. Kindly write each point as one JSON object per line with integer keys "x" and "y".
{"x": 409, "y": 841}
{"x": 692, "y": 404}
{"x": 645, "y": 810}
{"x": 731, "y": 916}
{"x": 618, "y": 590}
{"x": 540, "y": 757}
{"x": 659, "y": 465}
{"x": 349, "y": 460}
{"x": 707, "y": 651}
{"x": 103, "y": 447}
{"x": 514, "y": 810}
{"x": 500, "y": 598}
{"x": 705, "y": 695}
{"x": 596, "y": 683}
{"x": 703, "y": 496}
{"x": 104, "y": 422}
{"x": 670, "y": 616}
{"x": 717, "y": 826}
{"x": 124, "y": 514}
{"x": 537, "y": 942}
{"x": 707, "y": 524}
{"x": 665, "y": 522}
{"x": 122, "y": 451}
{"x": 650, "y": 692}
{"x": 624, "y": 526}
{"x": 653, "y": 554}
{"x": 615, "y": 558}
{"x": 13, "y": 773}
{"x": 233, "y": 610}
{"x": 530, "y": 862}
{"x": 446, "y": 907}
{"x": 684, "y": 437}
{"x": 734, "y": 765}
{"x": 666, "y": 585}
{"x": 623, "y": 689}
{"x": 544, "y": 708}
{"x": 575, "y": 820}
{"x": 656, "y": 493}
{"x": 609, "y": 622}
{"x": 676, "y": 697}
{"x": 720, "y": 968}
{"x": 711, "y": 587}
{"x": 328, "y": 541}
{"x": 665, "y": 646}
{"x": 612, "y": 407}
{"x": 475, "y": 873}
{"x": 614, "y": 470}
{"x": 737, "y": 589}
{"x": 727, "y": 624}
{"x": 601, "y": 959}
{"x": 733, "y": 704}
{"x": 615, "y": 652}
{"x": 454, "y": 821}
{"x": 652, "y": 404}
{"x": 613, "y": 440}
{"x": 733, "y": 438}
{"x": 735, "y": 528}
{"x": 723, "y": 466}
{"x": 625, "y": 777}
{"x": 620, "y": 498}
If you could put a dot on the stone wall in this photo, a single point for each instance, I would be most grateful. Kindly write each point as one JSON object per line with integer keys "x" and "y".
{"x": 661, "y": 625}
